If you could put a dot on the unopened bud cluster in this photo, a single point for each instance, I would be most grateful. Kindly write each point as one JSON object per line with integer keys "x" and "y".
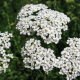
{"x": 46, "y": 22}
{"x": 4, "y": 44}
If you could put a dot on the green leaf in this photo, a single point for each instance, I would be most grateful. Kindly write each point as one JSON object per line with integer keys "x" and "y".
{"x": 49, "y": 3}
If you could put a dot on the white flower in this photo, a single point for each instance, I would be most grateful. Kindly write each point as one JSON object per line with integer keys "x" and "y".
{"x": 7, "y": 45}
{"x": 4, "y": 44}
{"x": 38, "y": 56}
{"x": 10, "y": 55}
{"x": 39, "y": 61}
{"x": 70, "y": 59}
{"x": 37, "y": 66}
{"x": 44, "y": 23}
{"x": 5, "y": 65}
{"x": 1, "y": 68}
{"x": 45, "y": 67}
{"x": 0, "y": 41}
{"x": 10, "y": 35}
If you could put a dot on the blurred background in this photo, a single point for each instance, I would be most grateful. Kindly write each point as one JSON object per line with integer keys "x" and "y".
{"x": 8, "y": 14}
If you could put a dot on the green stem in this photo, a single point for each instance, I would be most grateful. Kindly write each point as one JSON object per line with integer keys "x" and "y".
{"x": 40, "y": 71}
{"x": 44, "y": 76}
{"x": 16, "y": 43}
{"x": 8, "y": 18}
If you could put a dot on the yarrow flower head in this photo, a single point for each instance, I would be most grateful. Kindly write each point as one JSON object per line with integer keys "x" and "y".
{"x": 69, "y": 62}
{"x": 4, "y": 44}
{"x": 35, "y": 56}
{"x": 46, "y": 22}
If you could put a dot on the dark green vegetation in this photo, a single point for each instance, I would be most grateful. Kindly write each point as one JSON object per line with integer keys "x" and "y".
{"x": 8, "y": 13}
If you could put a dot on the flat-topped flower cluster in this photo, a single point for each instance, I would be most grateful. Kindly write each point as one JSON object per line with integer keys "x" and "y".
{"x": 36, "y": 56}
{"x": 69, "y": 62}
{"x": 46, "y": 22}
{"x": 4, "y": 44}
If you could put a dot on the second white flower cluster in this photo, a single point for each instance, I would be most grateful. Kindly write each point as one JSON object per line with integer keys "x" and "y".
{"x": 36, "y": 56}
{"x": 4, "y": 44}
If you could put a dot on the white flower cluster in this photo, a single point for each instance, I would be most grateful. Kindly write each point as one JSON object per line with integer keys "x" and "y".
{"x": 4, "y": 44}
{"x": 36, "y": 56}
{"x": 69, "y": 62}
{"x": 46, "y": 22}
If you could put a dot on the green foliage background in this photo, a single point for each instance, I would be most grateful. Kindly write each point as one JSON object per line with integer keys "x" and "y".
{"x": 8, "y": 13}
